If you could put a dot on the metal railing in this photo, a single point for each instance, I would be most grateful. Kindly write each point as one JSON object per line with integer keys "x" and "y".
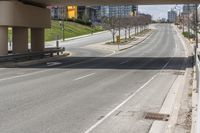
{"x": 31, "y": 55}
{"x": 197, "y": 67}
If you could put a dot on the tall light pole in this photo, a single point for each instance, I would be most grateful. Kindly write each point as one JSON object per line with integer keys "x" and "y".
{"x": 63, "y": 23}
{"x": 188, "y": 13}
{"x": 196, "y": 25}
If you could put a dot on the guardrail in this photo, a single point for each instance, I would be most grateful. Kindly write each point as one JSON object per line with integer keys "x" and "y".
{"x": 32, "y": 55}
{"x": 198, "y": 90}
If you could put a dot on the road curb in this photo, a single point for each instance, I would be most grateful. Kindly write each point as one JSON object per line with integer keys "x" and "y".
{"x": 194, "y": 102}
{"x": 77, "y": 37}
{"x": 35, "y": 62}
{"x": 194, "y": 90}
{"x": 173, "y": 108}
{"x": 170, "y": 106}
{"x": 138, "y": 42}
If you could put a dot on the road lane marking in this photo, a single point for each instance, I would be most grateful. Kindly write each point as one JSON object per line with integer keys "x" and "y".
{"x": 120, "y": 105}
{"x": 33, "y": 73}
{"x": 53, "y": 63}
{"x": 82, "y": 77}
{"x": 24, "y": 75}
{"x": 124, "y": 62}
{"x": 126, "y": 100}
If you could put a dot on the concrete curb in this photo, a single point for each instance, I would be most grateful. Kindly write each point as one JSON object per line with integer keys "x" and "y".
{"x": 138, "y": 42}
{"x": 122, "y": 49}
{"x": 171, "y": 105}
{"x": 35, "y": 62}
{"x": 194, "y": 92}
{"x": 194, "y": 102}
{"x": 78, "y": 37}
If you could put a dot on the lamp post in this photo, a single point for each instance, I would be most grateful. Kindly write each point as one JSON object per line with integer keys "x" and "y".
{"x": 63, "y": 23}
{"x": 196, "y": 25}
{"x": 188, "y": 13}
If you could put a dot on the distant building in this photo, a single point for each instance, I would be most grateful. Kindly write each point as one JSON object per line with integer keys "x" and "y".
{"x": 116, "y": 11}
{"x": 88, "y": 13}
{"x": 91, "y": 13}
{"x": 72, "y": 12}
{"x": 172, "y": 16}
{"x": 187, "y": 8}
{"x": 58, "y": 12}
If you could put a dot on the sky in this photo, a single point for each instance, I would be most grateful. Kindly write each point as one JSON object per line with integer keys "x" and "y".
{"x": 157, "y": 11}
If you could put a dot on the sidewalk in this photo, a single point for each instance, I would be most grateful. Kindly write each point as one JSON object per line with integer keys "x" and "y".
{"x": 128, "y": 117}
{"x": 120, "y": 47}
{"x": 53, "y": 43}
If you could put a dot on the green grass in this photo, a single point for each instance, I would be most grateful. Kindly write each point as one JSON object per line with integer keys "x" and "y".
{"x": 186, "y": 34}
{"x": 71, "y": 30}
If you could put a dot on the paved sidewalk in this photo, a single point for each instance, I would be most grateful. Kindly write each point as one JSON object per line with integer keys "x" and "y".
{"x": 121, "y": 47}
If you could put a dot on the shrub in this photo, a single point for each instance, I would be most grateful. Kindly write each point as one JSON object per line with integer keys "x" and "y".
{"x": 186, "y": 34}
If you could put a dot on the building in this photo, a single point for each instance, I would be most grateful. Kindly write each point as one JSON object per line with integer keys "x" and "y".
{"x": 72, "y": 12}
{"x": 58, "y": 12}
{"x": 91, "y": 14}
{"x": 187, "y": 8}
{"x": 116, "y": 11}
{"x": 88, "y": 13}
{"x": 84, "y": 13}
{"x": 172, "y": 16}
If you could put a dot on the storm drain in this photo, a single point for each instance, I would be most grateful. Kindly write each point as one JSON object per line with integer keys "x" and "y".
{"x": 179, "y": 73}
{"x": 157, "y": 116}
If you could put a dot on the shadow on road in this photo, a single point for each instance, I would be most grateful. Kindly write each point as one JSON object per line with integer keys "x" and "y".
{"x": 146, "y": 63}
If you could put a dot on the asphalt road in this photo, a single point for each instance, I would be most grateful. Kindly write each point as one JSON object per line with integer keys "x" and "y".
{"x": 74, "y": 94}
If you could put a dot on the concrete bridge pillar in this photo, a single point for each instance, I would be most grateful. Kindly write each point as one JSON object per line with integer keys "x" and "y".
{"x": 3, "y": 40}
{"x": 21, "y": 16}
{"x": 37, "y": 39}
{"x": 20, "y": 40}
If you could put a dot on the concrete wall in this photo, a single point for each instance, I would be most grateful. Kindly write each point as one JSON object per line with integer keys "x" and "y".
{"x": 14, "y": 13}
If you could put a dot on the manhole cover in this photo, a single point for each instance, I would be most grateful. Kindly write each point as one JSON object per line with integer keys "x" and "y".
{"x": 157, "y": 116}
{"x": 179, "y": 73}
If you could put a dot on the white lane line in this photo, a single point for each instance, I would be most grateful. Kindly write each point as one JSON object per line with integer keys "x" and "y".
{"x": 120, "y": 105}
{"x": 24, "y": 75}
{"x": 33, "y": 73}
{"x": 84, "y": 76}
{"x": 53, "y": 63}
{"x": 124, "y": 62}
{"x": 126, "y": 100}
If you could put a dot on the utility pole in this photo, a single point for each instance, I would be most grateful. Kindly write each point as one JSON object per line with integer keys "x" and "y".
{"x": 196, "y": 27}
{"x": 188, "y": 21}
{"x": 119, "y": 16}
{"x": 63, "y": 23}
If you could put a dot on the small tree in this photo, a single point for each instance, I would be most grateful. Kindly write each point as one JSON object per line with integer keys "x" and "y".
{"x": 111, "y": 24}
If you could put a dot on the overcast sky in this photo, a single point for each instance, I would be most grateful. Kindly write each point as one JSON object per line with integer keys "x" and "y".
{"x": 157, "y": 11}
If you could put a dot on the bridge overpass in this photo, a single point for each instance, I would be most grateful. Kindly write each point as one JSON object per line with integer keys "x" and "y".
{"x": 22, "y": 15}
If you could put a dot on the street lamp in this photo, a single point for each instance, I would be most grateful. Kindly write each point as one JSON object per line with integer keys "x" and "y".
{"x": 63, "y": 23}
{"x": 196, "y": 23}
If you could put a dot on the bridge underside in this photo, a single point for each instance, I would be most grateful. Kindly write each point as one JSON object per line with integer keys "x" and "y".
{"x": 109, "y": 2}
{"x": 25, "y": 15}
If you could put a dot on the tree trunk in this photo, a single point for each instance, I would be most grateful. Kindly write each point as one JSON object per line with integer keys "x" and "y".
{"x": 113, "y": 38}
{"x": 125, "y": 33}
{"x": 119, "y": 32}
{"x": 135, "y": 30}
{"x": 129, "y": 32}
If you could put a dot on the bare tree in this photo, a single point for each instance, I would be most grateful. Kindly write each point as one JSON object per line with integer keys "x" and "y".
{"x": 111, "y": 24}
